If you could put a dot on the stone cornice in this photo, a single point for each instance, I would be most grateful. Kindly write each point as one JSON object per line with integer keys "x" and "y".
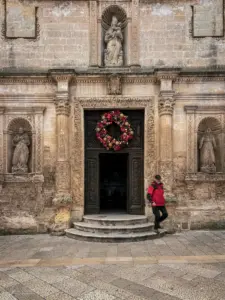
{"x": 37, "y": 80}
{"x": 27, "y": 98}
{"x": 204, "y": 109}
{"x": 199, "y": 97}
{"x": 199, "y": 78}
{"x": 24, "y": 110}
{"x": 99, "y": 75}
{"x": 95, "y": 102}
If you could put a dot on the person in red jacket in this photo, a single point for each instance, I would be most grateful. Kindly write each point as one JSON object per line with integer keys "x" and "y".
{"x": 155, "y": 196}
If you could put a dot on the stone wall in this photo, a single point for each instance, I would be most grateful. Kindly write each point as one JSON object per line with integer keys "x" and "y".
{"x": 167, "y": 38}
{"x": 62, "y": 38}
{"x": 45, "y": 80}
{"x": 55, "y": 34}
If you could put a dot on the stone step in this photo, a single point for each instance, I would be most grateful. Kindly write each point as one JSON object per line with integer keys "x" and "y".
{"x": 115, "y": 219}
{"x": 97, "y": 228}
{"x": 112, "y": 237}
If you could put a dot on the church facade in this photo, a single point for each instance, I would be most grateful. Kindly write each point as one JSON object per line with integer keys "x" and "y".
{"x": 96, "y": 97}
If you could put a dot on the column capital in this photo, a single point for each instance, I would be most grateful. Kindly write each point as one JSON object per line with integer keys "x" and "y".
{"x": 62, "y": 78}
{"x": 62, "y": 103}
{"x": 166, "y": 103}
{"x": 166, "y": 79}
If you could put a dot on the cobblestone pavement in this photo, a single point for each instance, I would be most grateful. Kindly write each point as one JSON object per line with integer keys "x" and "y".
{"x": 189, "y": 265}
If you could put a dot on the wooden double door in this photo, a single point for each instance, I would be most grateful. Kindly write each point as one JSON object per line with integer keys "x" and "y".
{"x": 114, "y": 181}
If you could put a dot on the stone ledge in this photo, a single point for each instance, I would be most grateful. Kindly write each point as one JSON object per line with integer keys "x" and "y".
{"x": 30, "y": 177}
{"x": 203, "y": 177}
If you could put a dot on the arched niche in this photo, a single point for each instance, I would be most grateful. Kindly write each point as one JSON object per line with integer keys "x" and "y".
{"x": 214, "y": 125}
{"x": 106, "y": 20}
{"x": 13, "y": 130}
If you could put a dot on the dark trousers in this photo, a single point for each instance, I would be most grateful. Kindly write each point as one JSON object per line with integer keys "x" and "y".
{"x": 158, "y": 219}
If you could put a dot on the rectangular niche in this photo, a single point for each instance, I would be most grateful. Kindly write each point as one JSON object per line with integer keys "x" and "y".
{"x": 208, "y": 19}
{"x": 20, "y": 20}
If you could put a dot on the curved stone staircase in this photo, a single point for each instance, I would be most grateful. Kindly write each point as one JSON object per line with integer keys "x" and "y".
{"x": 113, "y": 228}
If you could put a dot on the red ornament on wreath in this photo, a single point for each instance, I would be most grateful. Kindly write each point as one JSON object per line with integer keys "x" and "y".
{"x": 108, "y": 141}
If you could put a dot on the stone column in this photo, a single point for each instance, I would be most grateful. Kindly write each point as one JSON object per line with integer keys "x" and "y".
{"x": 1, "y": 148}
{"x": 62, "y": 200}
{"x": 165, "y": 106}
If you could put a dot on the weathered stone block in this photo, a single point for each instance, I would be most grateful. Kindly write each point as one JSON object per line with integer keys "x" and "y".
{"x": 20, "y": 19}
{"x": 208, "y": 19}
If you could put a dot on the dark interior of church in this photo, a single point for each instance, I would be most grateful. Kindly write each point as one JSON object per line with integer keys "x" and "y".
{"x": 113, "y": 181}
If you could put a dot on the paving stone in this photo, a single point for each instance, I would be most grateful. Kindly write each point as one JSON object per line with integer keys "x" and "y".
{"x": 6, "y": 296}
{"x": 73, "y": 287}
{"x": 41, "y": 288}
{"x": 21, "y": 276}
{"x": 60, "y": 296}
{"x": 97, "y": 294}
{"x": 121, "y": 283}
{"x": 6, "y": 281}
{"x": 111, "y": 289}
{"x": 140, "y": 290}
{"x": 22, "y": 292}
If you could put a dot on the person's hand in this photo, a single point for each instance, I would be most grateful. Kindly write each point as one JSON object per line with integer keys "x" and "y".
{"x": 153, "y": 204}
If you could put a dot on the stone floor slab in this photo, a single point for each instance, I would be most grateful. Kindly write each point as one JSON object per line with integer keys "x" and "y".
{"x": 97, "y": 295}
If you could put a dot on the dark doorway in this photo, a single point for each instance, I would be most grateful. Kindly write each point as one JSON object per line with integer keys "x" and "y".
{"x": 101, "y": 163}
{"x": 113, "y": 181}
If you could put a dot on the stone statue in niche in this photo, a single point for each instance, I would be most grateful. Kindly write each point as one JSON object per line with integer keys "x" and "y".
{"x": 207, "y": 152}
{"x": 113, "y": 39}
{"x": 21, "y": 142}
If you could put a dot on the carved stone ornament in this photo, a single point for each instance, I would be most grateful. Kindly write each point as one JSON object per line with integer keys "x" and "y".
{"x": 114, "y": 85}
{"x": 77, "y": 148}
{"x": 166, "y": 103}
{"x": 113, "y": 39}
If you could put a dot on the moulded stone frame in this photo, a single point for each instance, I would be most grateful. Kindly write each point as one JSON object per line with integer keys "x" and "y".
{"x": 195, "y": 114}
{"x": 77, "y": 144}
{"x": 34, "y": 116}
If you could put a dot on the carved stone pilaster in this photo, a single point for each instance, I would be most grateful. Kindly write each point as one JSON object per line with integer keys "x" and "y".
{"x": 62, "y": 123}
{"x": 63, "y": 187}
{"x": 166, "y": 103}
{"x": 135, "y": 51}
{"x": 93, "y": 8}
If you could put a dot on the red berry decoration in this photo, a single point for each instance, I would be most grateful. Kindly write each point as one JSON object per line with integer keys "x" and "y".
{"x": 109, "y": 142}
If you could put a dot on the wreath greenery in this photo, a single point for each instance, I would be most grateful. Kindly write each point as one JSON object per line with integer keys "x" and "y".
{"x": 108, "y": 141}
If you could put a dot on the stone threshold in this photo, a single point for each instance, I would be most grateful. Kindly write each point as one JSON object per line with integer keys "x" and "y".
{"x": 65, "y": 261}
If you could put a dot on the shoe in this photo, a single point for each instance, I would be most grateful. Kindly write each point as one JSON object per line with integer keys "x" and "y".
{"x": 156, "y": 231}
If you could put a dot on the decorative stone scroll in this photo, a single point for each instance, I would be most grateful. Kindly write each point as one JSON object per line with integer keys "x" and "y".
{"x": 77, "y": 145}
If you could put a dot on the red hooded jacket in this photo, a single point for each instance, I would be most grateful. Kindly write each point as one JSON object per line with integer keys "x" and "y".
{"x": 155, "y": 190}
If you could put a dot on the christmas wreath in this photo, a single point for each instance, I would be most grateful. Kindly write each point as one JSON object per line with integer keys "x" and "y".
{"x": 108, "y": 141}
